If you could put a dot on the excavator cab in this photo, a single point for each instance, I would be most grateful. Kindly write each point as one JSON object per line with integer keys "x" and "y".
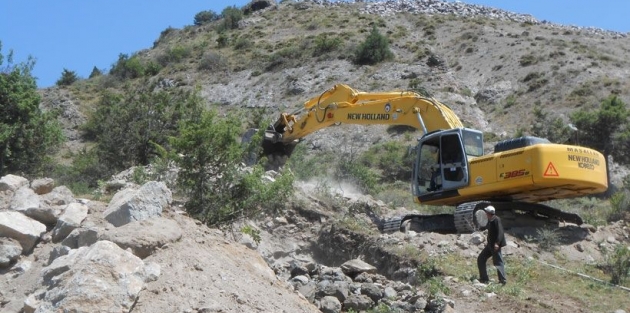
{"x": 441, "y": 165}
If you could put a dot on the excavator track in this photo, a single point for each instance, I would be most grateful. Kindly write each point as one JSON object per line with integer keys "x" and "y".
{"x": 469, "y": 217}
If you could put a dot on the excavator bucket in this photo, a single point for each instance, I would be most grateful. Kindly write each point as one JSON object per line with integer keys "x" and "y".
{"x": 276, "y": 151}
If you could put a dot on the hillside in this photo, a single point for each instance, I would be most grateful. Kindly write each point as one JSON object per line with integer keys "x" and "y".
{"x": 322, "y": 250}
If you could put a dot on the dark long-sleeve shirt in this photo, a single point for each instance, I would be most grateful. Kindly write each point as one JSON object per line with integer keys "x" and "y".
{"x": 495, "y": 232}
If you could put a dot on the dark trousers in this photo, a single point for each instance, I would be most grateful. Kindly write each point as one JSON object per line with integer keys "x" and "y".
{"x": 497, "y": 261}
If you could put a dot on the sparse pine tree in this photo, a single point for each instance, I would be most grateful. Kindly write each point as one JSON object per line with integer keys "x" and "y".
{"x": 95, "y": 72}
{"x": 374, "y": 49}
{"x": 67, "y": 78}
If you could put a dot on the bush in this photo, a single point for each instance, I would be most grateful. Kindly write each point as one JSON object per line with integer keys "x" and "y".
{"x": 174, "y": 55}
{"x": 129, "y": 128}
{"x": 373, "y": 50}
{"x": 205, "y": 17}
{"x": 127, "y": 68}
{"x": 231, "y": 16}
{"x": 95, "y": 72}
{"x": 218, "y": 191}
{"x": 325, "y": 43}
{"x": 67, "y": 78}
{"x": 548, "y": 239}
{"x": 28, "y": 136}
{"x": 618, "y": 264}
{"x": 212, "y": 61}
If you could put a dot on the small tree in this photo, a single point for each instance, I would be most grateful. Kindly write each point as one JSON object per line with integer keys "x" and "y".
{"x": 95, "y": 72}
{"x": 218, "y": 192}
{"x": 68, "y": 78}
{"x": 545, "y": 126}
{"x": 205, "y": 17}
{"x": 28, "y": 136}
{"x": 231, "y": 16}
{"x": 128, "y": 126}
{"x": 373, "y": 50}
{"x": 600, "y": 129}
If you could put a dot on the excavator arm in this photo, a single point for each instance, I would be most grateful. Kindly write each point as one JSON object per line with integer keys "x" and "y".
{"x": 342, "y": 104}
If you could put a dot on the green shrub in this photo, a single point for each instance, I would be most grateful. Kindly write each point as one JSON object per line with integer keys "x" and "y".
{"x": 547, "y": 238}
{"x": 67, "y": 78}
{"x": 128, "y": 128}
{"x": 528, "y": 59}
{"x": 95, "y": 72}
{"x": 620, "y": 203}
{"x": 205, "y": 17}
{"x": 152, "y": 69}
{"x": 28, "y": 136}
{"x": 362, "y": 176}
{"x": 222, "y": 40}
{"x": 243, "y": 43}
{"x": 218, "y": 191}
{"x": 212, "y": 61}
{"x": 391, "y": 159}
{"x": 373, "y": 50}
{"x": 127, "y": 68}
{"x": 231, "y": 16}
{"x": 174, "y": 55}
{"x": 325, "y": 43}
{"x": 618, "y": 264}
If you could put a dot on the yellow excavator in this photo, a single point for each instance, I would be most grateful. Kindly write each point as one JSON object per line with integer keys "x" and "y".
{"x": 450, "y": 167}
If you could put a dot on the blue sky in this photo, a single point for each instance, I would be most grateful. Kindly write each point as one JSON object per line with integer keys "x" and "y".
{"x": 81, "y": 34}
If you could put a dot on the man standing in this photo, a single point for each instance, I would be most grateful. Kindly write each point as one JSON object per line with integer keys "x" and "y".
{"x": 496, "y": 240}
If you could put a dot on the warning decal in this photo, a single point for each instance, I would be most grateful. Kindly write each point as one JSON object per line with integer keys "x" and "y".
{"x": 551, "y": 170}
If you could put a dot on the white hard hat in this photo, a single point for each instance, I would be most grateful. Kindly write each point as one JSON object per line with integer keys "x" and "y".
{"x": 489, "y": 209}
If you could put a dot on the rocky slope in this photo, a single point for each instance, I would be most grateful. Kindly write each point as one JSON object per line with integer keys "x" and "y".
{"x": 140, "y": 253}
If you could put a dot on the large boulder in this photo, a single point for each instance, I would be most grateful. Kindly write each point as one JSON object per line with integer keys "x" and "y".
{"x": 71, "y": 219}
{"x": 22, "y": 228}
{"x": 99, "y": 278}
{"x": 144, "y": 237}
{"x": 132, "y": 204}
{"x": 12, "y": 182}
{"x": 45, "y": 208}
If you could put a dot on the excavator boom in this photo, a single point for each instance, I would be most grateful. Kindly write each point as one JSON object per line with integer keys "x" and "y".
{"x": 342, "y": 104}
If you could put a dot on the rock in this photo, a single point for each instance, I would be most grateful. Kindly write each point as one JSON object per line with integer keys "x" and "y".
{"x": 358, "y": 303}
{"x": 90, "y": 279}
{"x": 10, "y": 251}
{"x": 477, "y": 239}
{"x": 257, "y": 5}
{"x": 71, "y": 219}
{"x": 31, "y": 303}
{"x": 248, "y": 241}
{"x": 330, "y": 304}
{"x": 389, "y": 293}
{"x": 24, "y": 229}
{"x": 372, "y": 291}
{"x": 57, "y": 252}
{"x": 132, "y": 204}
{"x": 357, "y": 266}
{"x": 12, "y": 182}
{"x": 43, "y": 185}
{"x": 144, "y": 237}
{"x": 59, "y": 196}
{"x": 80, "y": 237}
{"x": 26, "y": 201}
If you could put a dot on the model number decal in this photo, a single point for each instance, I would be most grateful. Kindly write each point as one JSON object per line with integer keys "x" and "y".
{"x": 514, "y": 174}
